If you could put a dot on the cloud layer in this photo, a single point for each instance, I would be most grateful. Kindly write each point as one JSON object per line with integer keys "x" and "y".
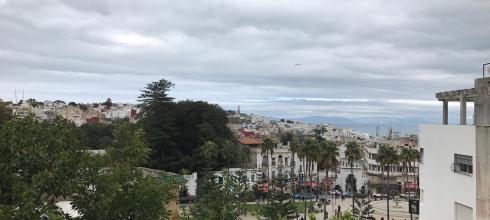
{"x": 357, "y": 58}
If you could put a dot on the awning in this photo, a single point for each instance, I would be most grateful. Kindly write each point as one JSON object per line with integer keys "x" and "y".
{"x": 313, "y": 184}
{"x": 411, "y": 186}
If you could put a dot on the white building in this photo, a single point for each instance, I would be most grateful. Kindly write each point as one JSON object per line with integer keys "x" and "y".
{"x": 455, "y": 173}
{"x": 446, "y": 191}
{"x": 279, "y": 163}
{"x": 191, "y": 183}
{"x": 398, "y": 174}
{"x": 345, "y": 172}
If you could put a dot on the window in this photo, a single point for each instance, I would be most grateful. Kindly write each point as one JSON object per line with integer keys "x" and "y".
{"x": 462, "y": 212}
{"x": 422, "y": 155}
{"x": 463, "y": 164}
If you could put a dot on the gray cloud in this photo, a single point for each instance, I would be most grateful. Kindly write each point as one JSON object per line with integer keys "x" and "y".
{"x": 358, "y": 58}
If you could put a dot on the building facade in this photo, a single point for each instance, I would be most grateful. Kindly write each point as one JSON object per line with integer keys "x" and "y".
{"x": 456, "y": 167}
{"x": 446, "y": 190}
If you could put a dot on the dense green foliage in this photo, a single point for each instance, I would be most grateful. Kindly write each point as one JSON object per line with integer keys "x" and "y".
{"x": 363, "y": 208}
{"x": 5, "y": 112}
{"x": 42, "y": 162}
{"x": 125, "y": 192}
{"x": 344, "y": 216}
{"x": 38, "y": 163}
{"x": 222, "y": 201}
{"x": 96, "y": 135}
{"x": 175, "y": 130}
{"x": 279, "y": 206}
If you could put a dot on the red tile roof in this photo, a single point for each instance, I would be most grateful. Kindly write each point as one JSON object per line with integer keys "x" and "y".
{"x": 250, "y": 141}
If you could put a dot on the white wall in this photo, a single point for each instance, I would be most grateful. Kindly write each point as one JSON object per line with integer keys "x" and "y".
{"x": 345, "y": 172}
{"x": 286, "y": 168}
{"x": 440, "y": 186}
{"x": 191, "y": 183}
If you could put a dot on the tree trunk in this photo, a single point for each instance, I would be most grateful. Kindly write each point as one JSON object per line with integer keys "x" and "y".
{"x": 414, "y": 174}
{"x": 268, "y": 177}
{"x": 317, "y": 182}
{"x": 409, "y": 167}
{"x": 293, "y": 190}
{"x": 326, "y": 178}
{"x": 311, "y": 180}
{"x": 304, "y": 181}
{"x": 388, "y": 196}
{"x": 352, "y": 185}
{"x": 407, "y": 173}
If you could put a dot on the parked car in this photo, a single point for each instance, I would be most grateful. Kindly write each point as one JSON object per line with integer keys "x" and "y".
{"x": 379, "y": 196}
{"x": 408, "y": 195}
{"x": 347, "y": 194}
{"x": 303, "y": 196}
{"x": 297, "y": 196}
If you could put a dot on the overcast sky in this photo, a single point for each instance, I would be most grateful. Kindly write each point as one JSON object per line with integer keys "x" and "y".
{"x": 357, "y": 58}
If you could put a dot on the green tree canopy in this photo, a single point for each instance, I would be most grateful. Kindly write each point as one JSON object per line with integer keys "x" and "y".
{"x": 96, "y": 135}
{"x": 120, "y": 191}
{"x": 41, "y": 162}
{"x": 222, "y": 201}
{"x": 38, "y": 164}
{"x": 174, "y": 130}
{"x": 5, "y": 112}
{"x": 155, "y": 93}
{"x": 279, "y": 206}
{"x": 387, "y": 155}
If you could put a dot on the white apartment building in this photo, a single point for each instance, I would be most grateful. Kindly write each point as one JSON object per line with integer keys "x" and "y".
{"x": 455, "y": 173}
{"x": 446, "y": 190}
{"x": 377, "y": 174}
{"x": 280, "y": 163}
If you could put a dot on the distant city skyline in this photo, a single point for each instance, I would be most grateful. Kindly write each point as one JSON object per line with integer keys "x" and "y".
{"x": 356, "y": 59}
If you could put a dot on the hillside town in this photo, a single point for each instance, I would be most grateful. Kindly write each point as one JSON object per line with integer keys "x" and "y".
{"x": 244, "y": 110}
{"x": 347, "y": 178}
{"x": 251, "y": 131}
{"x": 77, "y": 113}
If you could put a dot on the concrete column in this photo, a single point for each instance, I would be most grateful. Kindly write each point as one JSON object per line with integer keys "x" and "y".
{"x": 462, "y": 111}
{"x": 444, "y": 112}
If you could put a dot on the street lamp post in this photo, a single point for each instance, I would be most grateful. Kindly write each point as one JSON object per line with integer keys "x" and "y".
{"x": 483, "y": 69}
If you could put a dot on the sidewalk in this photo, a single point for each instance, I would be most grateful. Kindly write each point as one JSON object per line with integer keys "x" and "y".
{"x": 380, "y": 211}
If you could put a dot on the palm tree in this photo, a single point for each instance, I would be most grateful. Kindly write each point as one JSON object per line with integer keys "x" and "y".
{"x": 294, "y": 147}
{"x": 268, "y": 149}
{"x": 406, "y": 159}
{"x": 311, "y": 152}
{"x": 415, "y": 158}
{"x": 353, "y": 153}
{"x": 387, "y": 156}
{"x": 302, "y": 154}
{"x": 328, "y": 156}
